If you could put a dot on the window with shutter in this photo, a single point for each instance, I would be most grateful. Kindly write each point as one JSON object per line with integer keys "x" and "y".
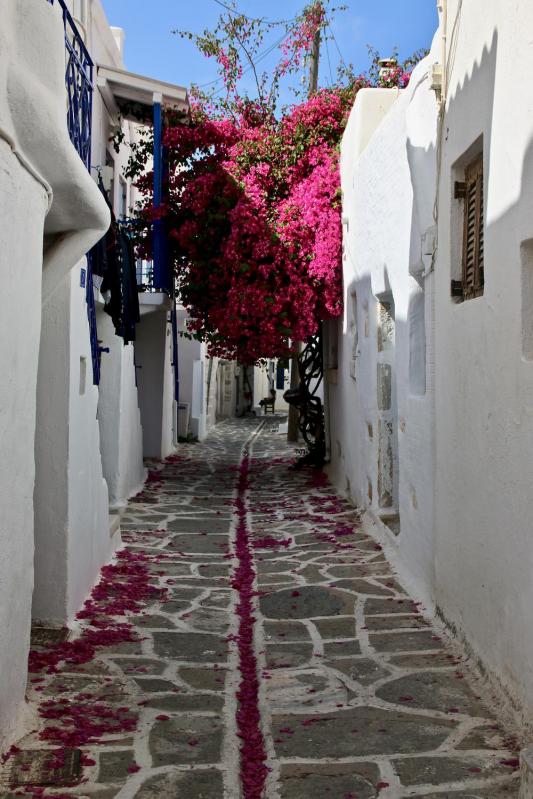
{"x": 471, "y": 192}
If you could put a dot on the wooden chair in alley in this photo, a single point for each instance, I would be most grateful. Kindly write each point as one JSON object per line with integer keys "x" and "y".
{"x": 269, "y": 402}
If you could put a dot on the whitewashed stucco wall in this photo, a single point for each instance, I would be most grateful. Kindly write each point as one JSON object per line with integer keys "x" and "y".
{"x": 119, "y": 416}
{"x": 23, "y": 199}
{"x": 71, "y": 496}
{"x": 46, "y": 198}
{"x": 89, "y": 544}
{"x": 465, "y": 431}
{"x": 155, "y": 378}
{"x": 50, "y": 501}
{"x": 118, "y": 406}
{"x": 169, "y": 438}
{"x": 484, "y": 371}
{"x": 387, "y": 132}
{"x": 72, "y": 532}
{"x": 193, "y": 370}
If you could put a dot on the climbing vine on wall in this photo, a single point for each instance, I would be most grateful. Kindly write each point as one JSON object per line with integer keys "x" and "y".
{"x": 253, "y": 211}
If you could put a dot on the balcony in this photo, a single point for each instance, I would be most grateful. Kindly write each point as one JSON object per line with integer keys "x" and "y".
{"x": 79, "y": 69}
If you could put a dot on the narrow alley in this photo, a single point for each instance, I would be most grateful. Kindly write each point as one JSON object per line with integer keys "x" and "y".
{"x": 172, "y": 684}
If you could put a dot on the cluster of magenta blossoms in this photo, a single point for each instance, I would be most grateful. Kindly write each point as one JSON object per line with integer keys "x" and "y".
{"x": 253, "y": 208}
{"x": 254, "y": 224}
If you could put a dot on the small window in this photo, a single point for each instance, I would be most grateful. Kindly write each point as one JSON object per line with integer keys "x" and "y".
{"x": 470, "y": 191}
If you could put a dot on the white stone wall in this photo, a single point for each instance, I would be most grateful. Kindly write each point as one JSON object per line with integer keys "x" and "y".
{"x": 118, "y": 404}
{"x": 193, "y": 367}
{"x": 88, "y": 545}
{"x": 381, "y": 403}
{"x": 23, "y": 199}
{"x": 48, "y": 202}
{"x": 89, "y": 436}
{"x": 119, "y": 416}
{"x": 461, "y": 374}
{"x": 211, "y": 372}
{"x": 155, "y": 377}
{"x": 484, "y": 372}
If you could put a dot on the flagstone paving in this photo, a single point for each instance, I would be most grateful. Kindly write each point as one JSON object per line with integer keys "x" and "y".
{"x": 359, "y": 695}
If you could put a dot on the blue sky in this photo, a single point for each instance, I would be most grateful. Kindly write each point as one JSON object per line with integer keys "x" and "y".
{"x": 152, "y": 49}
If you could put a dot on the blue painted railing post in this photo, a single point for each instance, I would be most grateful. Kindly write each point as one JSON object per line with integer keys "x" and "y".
{"x": 160, "y": 281}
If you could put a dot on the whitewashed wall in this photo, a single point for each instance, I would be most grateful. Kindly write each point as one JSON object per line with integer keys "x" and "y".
{"x": 119, "y": 416}
{"x": 71, "y": 497}
{"x": 381, "y": 405}
{"x": 118, "y": 406}
{"x": 211, "y": 372}
{"x": 23, "y": 199}
{"x": 73, "y": 532}
{"x": 193, "y": 367}
{"x": 462, "y": 372}
{"x": 89, "y": 544}
{"x": 47, "y": 195}
{"x": 155, "y": 377}
{"x": 484, "y": 371}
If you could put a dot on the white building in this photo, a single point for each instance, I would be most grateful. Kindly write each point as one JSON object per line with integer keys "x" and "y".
{"x": 40, "y": 170}
{"x": 430, "y": 408}
{"x": 73, "y": 441}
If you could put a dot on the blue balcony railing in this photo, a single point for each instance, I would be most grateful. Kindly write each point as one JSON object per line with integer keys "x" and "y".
{"x": 79, "y": 68}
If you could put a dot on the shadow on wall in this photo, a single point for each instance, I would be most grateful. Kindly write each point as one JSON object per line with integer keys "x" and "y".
{"x": 485, "y": 382}
{"x": 384, "y": 342}
{"x": 460, "y": 439}
{"x": 384, "y": 404}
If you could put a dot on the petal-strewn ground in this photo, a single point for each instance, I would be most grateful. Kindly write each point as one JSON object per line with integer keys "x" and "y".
{"x": 235, "y": 566}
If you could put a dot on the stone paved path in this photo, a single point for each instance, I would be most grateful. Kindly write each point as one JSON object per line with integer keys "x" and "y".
{"x": 358, "y": 696}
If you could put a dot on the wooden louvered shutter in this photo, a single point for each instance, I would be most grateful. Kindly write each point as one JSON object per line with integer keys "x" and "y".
{"x": 473, "y": 245}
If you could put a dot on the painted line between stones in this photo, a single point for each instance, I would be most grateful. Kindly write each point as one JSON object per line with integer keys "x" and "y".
{"x": 253, "y": 768}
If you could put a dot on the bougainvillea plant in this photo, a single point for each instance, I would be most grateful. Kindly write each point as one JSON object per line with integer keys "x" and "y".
{"x": 253, "y": 208}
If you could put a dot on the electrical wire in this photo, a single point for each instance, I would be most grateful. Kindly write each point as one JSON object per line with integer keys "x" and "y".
{"x": 269, "y": 50}
{"x": 329, "y": 60}
{"x": 254, "y": 19}
{"x": 258, "y": 60}
{"x": 343, "y": 62}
